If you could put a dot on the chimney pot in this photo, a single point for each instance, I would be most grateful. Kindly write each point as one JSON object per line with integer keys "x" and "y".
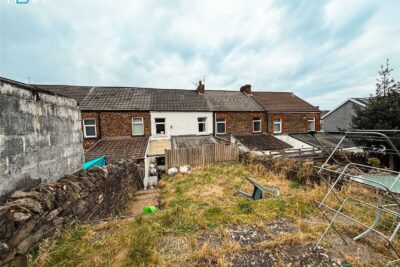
{"x": 200, "y": 88}
{"x": 246, "y": 89}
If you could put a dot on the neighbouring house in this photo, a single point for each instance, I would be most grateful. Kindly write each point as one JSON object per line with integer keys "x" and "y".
{"x": 287, "y": 113}
{"x": 116, "y": 117}
{"x": 115, "y": 120}
{"x": 236, "y": 112}
{"x": 40, "y": 136}
{"x": 339, "y": 119}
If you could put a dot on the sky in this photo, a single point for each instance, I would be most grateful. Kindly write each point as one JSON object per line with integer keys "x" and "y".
{"x": 323, "y": 51}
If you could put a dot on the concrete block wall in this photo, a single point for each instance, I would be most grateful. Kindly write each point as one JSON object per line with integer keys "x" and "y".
{"x": 40, "y": 137}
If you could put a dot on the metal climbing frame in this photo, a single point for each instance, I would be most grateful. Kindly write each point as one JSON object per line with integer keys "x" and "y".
{"x": 361, "y": 199}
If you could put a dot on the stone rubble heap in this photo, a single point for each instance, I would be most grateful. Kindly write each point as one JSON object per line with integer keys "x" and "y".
{"x": 29, "y": 216}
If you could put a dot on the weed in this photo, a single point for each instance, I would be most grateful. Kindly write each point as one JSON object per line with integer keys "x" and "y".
{"x": 245, "y": 206}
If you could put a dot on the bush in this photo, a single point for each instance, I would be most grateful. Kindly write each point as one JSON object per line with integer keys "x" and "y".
{"x": 374, "y": 162}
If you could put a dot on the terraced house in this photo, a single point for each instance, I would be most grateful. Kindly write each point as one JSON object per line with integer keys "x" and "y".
{"x": 120, "y": 122}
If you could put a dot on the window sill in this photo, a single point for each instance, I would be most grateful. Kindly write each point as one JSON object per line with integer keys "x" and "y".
{"x": 90, "y": 137}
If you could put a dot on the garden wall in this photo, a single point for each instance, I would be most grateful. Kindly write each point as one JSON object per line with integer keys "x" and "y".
{"x": 40, "y": 136}
{"x": 43, "y": 211}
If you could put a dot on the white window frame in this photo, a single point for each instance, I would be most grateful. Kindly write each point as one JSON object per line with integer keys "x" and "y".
{"x": 216, "y": 125}
{"x": 279, "y": 123}
{"x": 257, "y": 120}
{"x": 165, "y": 126}
{"x": 91, "y": 125}
{"x": 137, "y": 123}
{"x": 202, "y": 122}
{"x": 308, "y": 121}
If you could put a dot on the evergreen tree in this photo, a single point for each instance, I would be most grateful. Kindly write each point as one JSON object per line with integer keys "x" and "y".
{"x": 383, "y": 110}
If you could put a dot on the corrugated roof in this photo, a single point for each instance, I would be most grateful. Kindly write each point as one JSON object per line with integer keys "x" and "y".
{"x": 283, "y": 102}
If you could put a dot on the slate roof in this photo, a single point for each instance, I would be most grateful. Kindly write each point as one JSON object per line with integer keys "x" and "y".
{"x": 114, "y": 149}
{"x": 283, "y": 102}
{"x": 155, "y": 99}
{"x": 230, "y": 101}
{"x": 363, "y": 100}
{"x": 261, "y": 142}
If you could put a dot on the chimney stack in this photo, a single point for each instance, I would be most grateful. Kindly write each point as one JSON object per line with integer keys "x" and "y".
{"x": 246, "y": 89}
{"x": 200, "y": 88}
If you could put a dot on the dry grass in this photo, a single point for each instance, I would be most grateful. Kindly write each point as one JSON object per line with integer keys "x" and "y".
{"x": 201, "y": 202}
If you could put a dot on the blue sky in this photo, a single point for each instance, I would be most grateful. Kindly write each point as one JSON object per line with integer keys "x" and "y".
{"x": 324, "y": 51}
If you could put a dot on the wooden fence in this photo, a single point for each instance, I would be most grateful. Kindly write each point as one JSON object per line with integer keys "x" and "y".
{"x": 201, "y": 155}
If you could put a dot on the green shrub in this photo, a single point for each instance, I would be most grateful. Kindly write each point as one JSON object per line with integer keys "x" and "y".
{"x": 374, "y": 162}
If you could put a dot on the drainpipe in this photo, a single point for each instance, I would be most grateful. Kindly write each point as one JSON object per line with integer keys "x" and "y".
{"x": 99, "y": 116}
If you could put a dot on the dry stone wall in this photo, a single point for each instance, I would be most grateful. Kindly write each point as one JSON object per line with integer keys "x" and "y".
{"x": 29, "y": 216}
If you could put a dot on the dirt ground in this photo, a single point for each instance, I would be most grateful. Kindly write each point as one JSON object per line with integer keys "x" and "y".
{"x": 142, "y": 199}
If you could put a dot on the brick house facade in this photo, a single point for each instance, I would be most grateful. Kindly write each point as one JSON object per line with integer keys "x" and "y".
{"x": 242, "y": 122}
{"x": 114, "y": 124}
{"x": 293, "y": 122}
{"x": 293, "y": 114}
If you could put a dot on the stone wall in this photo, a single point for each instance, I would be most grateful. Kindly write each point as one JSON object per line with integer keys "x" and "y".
{"x": 29, "y": 216}
{"x": 40, "y": 136}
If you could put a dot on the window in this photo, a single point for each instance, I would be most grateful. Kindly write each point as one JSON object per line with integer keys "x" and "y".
{"x": 89, "y": 128}
{"x": 277, "y": 125}
{"x": 220, "y": 126}
{"x": 160, "y": 125}
{"x": 137, "y": 126}
{"x": 257, "y": 125}
{"x": 202, "y": 124}
{"x": 311, "y": 124}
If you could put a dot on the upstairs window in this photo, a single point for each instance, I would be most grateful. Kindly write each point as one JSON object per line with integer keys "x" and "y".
{"x": 160, "y": 125}
{"x": 202, "y": 124}
{"x": 311, "y": 124}
{"x": 257, "y": 125}
{"x": 137, "y": 126}
{"x": 221, "y": 126}
{"x": 89, "y": 128}
{"x": 277, "y": 126}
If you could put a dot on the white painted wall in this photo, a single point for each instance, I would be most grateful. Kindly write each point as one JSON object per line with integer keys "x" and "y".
{"x": 180, "y": 123}
{"x": 297, "y": 144}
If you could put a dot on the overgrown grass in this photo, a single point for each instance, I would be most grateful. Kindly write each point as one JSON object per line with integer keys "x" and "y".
{"x": 203, "y": 201}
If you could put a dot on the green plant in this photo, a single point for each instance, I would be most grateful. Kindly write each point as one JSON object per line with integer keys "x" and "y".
{"x": 245, "y": 206}
{"x": 374, "y": 162}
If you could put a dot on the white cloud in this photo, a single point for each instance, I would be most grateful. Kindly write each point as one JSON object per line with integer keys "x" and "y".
{"x": 318, "y": 50}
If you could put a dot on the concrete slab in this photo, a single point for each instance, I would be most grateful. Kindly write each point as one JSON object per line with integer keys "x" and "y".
{"x": 158, "y": 147}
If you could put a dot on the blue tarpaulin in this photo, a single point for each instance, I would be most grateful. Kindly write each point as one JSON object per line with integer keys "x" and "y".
{"x": 95, "y": 162}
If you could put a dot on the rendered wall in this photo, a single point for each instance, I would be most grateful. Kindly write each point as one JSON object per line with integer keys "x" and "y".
{"x": 40, "y": 137}
{"x": 340, "y": 119}
{"x": 181, "y": 123}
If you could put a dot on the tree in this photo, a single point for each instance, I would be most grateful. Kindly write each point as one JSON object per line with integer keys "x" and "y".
{"x": 381, "y": 113}
{"x": 383, "y": 110}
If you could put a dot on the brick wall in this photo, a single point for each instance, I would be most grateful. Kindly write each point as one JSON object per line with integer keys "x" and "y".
{"x": 293, "y": 122}
{"x": 88, "y": 142}
{"x": 241, "y": 122}
{"x": 113, "y": 124}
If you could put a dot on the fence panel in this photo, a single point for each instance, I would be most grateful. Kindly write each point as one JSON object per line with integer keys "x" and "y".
{"x": 201, "y": 155}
